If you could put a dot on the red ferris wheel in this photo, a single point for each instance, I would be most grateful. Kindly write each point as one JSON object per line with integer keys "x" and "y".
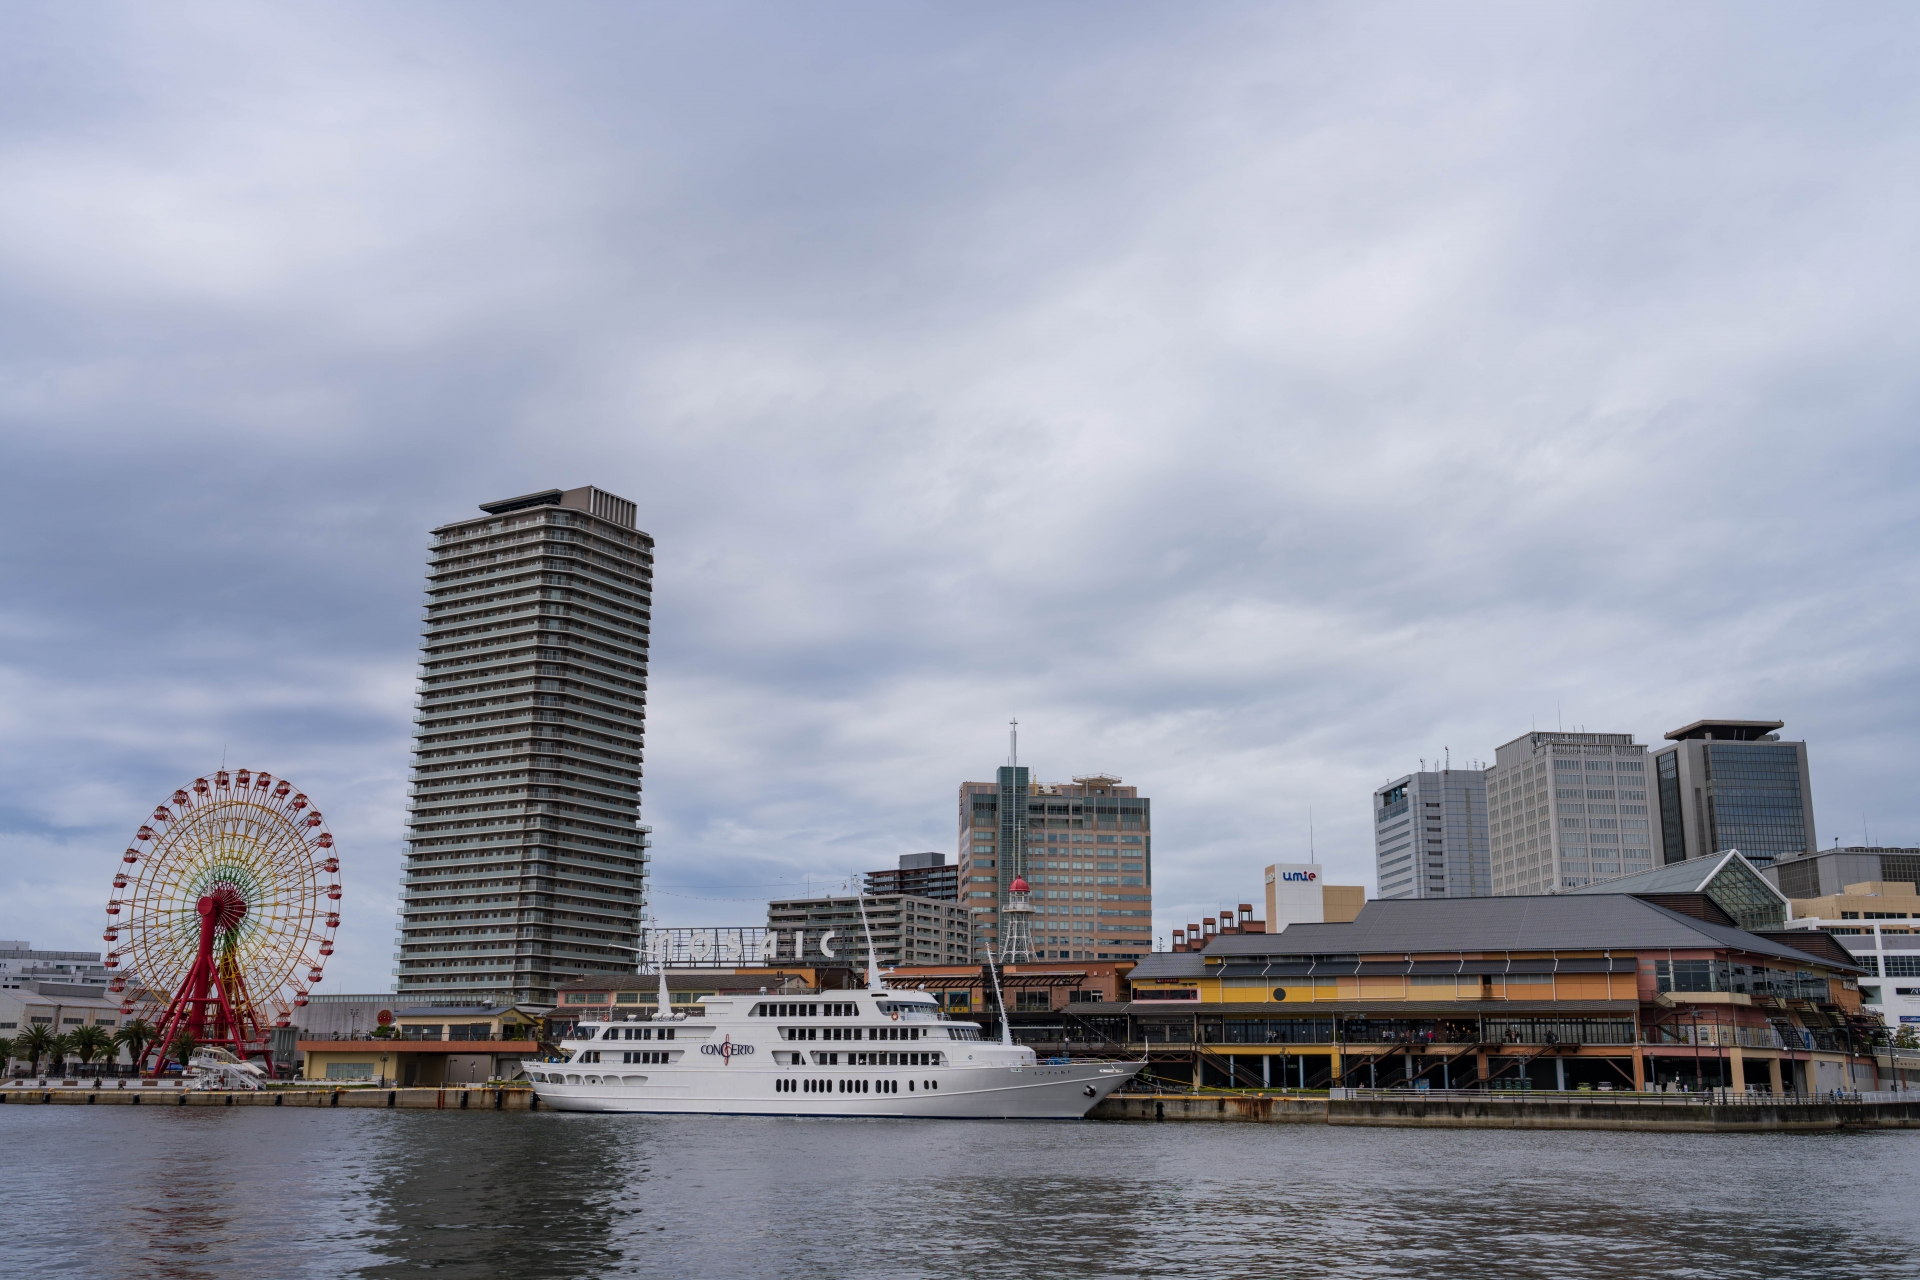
{"x": 225, "y": 907}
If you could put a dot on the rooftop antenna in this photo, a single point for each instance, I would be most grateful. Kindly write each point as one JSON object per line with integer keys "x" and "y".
{"x": 1310, "y": 855}
{"x": 1449, "y": 765}
{"x": 1013, "y": 743}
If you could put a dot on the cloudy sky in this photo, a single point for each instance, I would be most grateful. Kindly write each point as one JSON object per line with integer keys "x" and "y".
{"x": 1254, "y": 399}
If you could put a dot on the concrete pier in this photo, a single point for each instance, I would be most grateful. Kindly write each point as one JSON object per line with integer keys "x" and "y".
{"x": 455, "y": 1098}
{"x": 1651, "y": 1112}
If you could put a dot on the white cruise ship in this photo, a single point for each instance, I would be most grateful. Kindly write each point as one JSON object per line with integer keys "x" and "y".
{"x": 836, "y": 1053}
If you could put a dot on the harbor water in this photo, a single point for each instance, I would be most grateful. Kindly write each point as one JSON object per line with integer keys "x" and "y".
{"x": 190, "y": 1192}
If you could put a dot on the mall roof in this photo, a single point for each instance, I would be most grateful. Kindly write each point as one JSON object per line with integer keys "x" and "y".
{"x": 1690, "y": 876}
{"x": 1553, "y": 922}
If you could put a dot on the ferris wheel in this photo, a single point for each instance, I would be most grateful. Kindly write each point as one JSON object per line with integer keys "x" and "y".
{"x": 225, "y": 908}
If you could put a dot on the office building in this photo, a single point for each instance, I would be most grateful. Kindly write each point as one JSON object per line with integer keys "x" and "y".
{"x": 1085, "y": 848}
{"x": 1297, "y": 893}
{"x": 831, "y": 931}
{"x": 526, "y": 864}
{"x": 1567, "y": 809}
{"x": 919, "y": 875}
{"x": 1430, "y": 835}
{"x": 1733, "y": 784}
{"x": 1822, "y": 874}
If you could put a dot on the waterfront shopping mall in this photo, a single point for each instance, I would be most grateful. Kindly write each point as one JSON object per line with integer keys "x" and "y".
{"x": 1590, "y": 991}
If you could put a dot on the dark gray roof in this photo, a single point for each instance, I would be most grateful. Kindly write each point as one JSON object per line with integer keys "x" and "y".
{"x": 1158, "y": 966}
{"x": 1554, "y": 922}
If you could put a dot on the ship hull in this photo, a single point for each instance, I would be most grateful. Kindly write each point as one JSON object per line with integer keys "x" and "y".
{"x": 1039, "y": 1091}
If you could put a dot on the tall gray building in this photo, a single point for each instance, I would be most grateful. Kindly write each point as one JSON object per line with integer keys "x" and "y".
{"x": 526, "y": 863}
{"x": 1733, "y": 784}
{"x": 1568, "y": 809}
{"x": 1430, "y": 835}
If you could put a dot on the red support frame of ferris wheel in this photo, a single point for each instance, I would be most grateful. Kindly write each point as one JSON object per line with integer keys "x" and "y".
{"x": 212, "y": 988}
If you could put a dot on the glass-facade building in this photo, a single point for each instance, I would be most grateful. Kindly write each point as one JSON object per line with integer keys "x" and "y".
{"x": 1568, "y": 809}
{"x": 1430, "y": 836}
{"x": 1733, "y": 784}
{"x": 526, "y": 864}
{"x": 1085, "y": 849}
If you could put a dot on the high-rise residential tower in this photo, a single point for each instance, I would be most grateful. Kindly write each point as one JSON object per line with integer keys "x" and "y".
{"x": 1567, "y": 809}
{"x": 1086, "y": 850}
{"x": 919, "y": 875}
{"x": 1430, "y": 835}
{"x": 526, "y": 863}
{"x": 1732, "y": 784}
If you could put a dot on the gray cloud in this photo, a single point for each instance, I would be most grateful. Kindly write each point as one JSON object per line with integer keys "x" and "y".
{"x": 1253, "y": 401}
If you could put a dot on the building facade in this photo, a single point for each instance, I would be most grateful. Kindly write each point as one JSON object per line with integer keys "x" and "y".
{"x": 1430, "y": 835}
{"x": 19, "y": 962}
{"x": 1604, "y": 992}
{"x": 526, "y": 864}
{"x": 919, "y": 875}
{"x": 1297, "y": 893}
{"x": 58, "y": 1008}
{"x": 1733, "y": 784}
{"x": 1830, "y": 871}
{"x": 832, "y": 931}
{"x": 1086, "y": 850}
{"x": 1568, "y": 809}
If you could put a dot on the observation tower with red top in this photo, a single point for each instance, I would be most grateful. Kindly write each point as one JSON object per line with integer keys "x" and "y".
{"x": 1016, "y": 924}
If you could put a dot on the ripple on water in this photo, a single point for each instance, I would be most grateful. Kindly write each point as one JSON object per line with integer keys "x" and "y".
{"x": 290, "y": 1192}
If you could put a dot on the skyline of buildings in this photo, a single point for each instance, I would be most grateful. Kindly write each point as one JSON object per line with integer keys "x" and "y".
{"x": 526, "y": 865}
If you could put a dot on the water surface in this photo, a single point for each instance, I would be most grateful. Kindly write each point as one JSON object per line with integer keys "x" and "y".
{"x": 108, "y": 1191}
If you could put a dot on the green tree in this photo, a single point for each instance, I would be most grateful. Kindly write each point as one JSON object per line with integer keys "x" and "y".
{"x": 136, "y": 1037}
{"x": 33, "y": 1044}
{"x": 90, "y": 1042}
{"x": 61, "y": 1050}
{"x": 182, "y": 1047}
{"x": 1908, "y": 1037}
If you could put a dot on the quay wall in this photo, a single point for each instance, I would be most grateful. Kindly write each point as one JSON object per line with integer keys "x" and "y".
{"x": 1514, "y": 1113}
{"x": 479, "y": 1098}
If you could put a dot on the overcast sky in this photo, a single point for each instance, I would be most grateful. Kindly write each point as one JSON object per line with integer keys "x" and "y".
{"x": 1254, "y": 399}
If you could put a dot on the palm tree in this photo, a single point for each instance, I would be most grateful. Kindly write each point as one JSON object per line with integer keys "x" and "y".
{"x": 33, "y": 1044}
{"x": 61, "y": 1050}
{"x": 182, "y": 1047}
{"x": 136, "y": 1037}
{"x": 90, "y": 1041}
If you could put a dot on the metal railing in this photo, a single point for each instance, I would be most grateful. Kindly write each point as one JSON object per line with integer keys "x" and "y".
{"x": 1718, "y": 1097}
